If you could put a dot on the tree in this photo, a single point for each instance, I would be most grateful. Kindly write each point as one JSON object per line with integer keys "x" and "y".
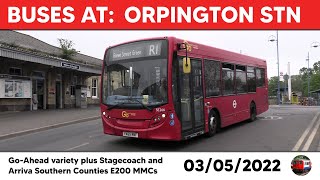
{"x": 316, "y": 67}
{"x": 297, "y": 83}
{"x": 314, "y": 78}
{"x": 67, "y": 49}
{"x": 315, "y": 82}
{"x": 272, "y": 85}
{"x": 301, "y": 157}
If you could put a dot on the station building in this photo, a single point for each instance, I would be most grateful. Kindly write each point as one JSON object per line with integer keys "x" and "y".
{"x": 33, "y": 76}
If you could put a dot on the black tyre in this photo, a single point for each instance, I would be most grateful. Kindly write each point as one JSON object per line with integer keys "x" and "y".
{"x": 214, "y": 121}
{"x": 253, "y": 112}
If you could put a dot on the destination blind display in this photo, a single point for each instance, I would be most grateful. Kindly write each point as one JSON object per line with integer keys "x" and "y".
{"x": 136, "y": 50}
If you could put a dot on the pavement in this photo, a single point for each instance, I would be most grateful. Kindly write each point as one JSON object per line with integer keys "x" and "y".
{"x": 14, "y": 124}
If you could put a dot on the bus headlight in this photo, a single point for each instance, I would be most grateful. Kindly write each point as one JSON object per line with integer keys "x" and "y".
{"x": 105, "y": 115}
{"x": 158, "y": 119}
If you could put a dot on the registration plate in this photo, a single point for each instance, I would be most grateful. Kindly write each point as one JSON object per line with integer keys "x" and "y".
{"x": 130, "y": 134}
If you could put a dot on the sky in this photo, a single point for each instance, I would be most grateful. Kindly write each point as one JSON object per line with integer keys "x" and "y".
{"x": 293, "y": 45}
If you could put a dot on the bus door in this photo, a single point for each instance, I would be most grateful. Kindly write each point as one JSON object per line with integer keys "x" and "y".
{"x": 191, "y": 99}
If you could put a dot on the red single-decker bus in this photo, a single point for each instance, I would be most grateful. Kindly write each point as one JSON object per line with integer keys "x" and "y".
{"x": 170, "y": 89}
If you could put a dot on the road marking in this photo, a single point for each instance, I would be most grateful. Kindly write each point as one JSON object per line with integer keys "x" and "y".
{"x": 75, "y": 147}
{"x": 311, "y": 136}
{"x": 283, "y": 114}
{"x": 305, "y": 133}
{"x": 272, "y": 118}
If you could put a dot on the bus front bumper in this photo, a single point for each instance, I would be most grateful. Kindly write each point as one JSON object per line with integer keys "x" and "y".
{"x": 163, "y": 131}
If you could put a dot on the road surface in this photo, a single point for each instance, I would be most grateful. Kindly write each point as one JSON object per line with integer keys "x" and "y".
{"x": 283, "y": 128}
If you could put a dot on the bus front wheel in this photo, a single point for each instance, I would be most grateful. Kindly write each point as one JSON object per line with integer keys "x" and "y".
{"x": 213, "y": 123}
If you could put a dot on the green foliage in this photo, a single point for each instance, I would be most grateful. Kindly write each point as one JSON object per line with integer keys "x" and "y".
{"x": 315, "y": 82}
{"x": 316, "y": 67}
{"x": 297, "y": 83}
{"x": 301, "y": 157}
{"x": 272, "y": 85}
{"x": 303, "y": 72}
{"x": 67, "y": 49}
{"x": 314, "y": 73}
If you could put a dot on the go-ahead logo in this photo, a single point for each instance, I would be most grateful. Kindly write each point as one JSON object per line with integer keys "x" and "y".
{"x": 125, "y": 114}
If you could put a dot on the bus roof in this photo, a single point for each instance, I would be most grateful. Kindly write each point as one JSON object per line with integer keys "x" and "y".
{"x": 223, "y": 55}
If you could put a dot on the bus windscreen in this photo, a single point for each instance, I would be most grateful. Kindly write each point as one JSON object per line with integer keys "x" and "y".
{"x": 135, "y": 75}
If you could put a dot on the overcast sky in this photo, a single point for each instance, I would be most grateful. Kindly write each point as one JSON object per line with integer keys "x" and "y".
{"x": 293, "y": 45}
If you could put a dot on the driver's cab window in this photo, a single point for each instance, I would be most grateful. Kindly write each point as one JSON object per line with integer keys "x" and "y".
{"x": 125, "y": 78}
{"x": 141, "y": 79}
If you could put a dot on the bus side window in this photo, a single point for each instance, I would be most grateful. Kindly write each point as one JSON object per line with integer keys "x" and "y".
{"x": 251, "y": 79}
{"x": 260, "y": 77}
{"x": 212, "y": 78}
{"x": 241, "y": 81}
{"x": 228, "y": 79}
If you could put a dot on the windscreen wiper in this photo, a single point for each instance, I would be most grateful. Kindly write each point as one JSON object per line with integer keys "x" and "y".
{"x": 114, "y": 106}
{"x": 143, "y": 105}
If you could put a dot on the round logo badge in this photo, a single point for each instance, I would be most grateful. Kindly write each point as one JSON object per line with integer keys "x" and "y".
{"x": 301, "y": 165}
{"x": 171, "y": 116}
{"x": 171, "y": 123}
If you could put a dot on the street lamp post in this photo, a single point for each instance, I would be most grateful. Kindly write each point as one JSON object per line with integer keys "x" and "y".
{"x": 313, "y": 45}
{"x": 276, "y": 39}
{"x": 286, "y": 92}
{"x": 308, "y": 71}
{"x": 278, "y": 68}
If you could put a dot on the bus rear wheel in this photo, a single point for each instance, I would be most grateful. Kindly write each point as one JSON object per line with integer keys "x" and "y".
{"x": 213, "y": 124}
{"x": 253, "y": 112}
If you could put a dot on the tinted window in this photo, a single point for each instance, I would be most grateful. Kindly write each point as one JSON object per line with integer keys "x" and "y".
{"x": 241, "y": 80}
{"x": 197, "y": 77}
{"x": 251, "y": 79}
{"x": 228, "y": 78}
{"x": 260, "y": 77}
{"x": 175, "y": 87}
{"x": 15, "y": 71}
{"x": 212, "y": 77}
{"x": 94, "y": 88}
